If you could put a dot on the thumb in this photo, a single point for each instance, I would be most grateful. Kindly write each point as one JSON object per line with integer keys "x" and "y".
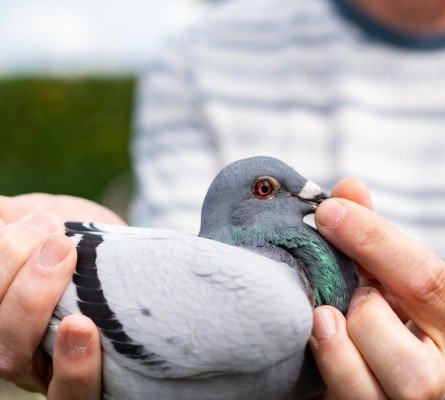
{"x": 77, "y": 361}
{"x": 353, "y": 189}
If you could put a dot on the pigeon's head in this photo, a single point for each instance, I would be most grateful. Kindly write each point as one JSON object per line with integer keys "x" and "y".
{"x": 258, "y": 193}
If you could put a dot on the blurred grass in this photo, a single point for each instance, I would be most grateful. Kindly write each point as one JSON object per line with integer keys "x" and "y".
{"x": 63, "y": 135}
{"x": 9, "y": 392}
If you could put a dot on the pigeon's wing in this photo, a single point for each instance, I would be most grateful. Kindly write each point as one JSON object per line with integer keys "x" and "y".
{"x": 176, "y": 305}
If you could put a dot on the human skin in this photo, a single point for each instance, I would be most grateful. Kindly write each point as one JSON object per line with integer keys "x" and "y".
{"x": 425, "y": 17}
{"x": 391, "y": 343}
{"x": 36, "y": 264}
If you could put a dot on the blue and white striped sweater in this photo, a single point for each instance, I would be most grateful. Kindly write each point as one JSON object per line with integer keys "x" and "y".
{"x": 297, "y": 80}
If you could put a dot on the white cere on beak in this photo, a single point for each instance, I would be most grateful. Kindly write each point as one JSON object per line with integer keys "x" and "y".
{"x": 310, "y": 191}
{"x": 309, "y": 219}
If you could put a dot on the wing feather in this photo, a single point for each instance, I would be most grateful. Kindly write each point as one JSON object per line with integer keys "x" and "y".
{"x": 176, "y": 305}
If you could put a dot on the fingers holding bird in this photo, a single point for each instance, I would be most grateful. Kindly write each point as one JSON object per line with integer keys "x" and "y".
{"x": 69, "y": 208}
{"x": 410, "y": 272}
{"x": 343, "y": 368}
{"x": 18, "y": 240}
{"x": 77, "y": 361}
{"x": 405, "y": 359}
{"x": 372, "y": 355}
{"x": 36, "y": 262}
{"x": 405, "y": 365}
{"x": 354, "y": 189}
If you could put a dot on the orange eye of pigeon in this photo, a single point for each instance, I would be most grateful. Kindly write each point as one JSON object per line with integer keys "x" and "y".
{"x": 265, "y": 187}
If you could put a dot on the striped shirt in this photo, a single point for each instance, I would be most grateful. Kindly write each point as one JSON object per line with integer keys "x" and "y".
{"x": 314, "y": 83}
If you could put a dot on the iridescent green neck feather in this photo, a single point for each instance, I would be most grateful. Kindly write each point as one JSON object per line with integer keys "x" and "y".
{"x": 312, "y": 253}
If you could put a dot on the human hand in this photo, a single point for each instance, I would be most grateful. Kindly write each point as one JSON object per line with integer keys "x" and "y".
{"x": 68, "y": 208}
{"x": 391, "y": 344}
{"x": 36, "y": 264}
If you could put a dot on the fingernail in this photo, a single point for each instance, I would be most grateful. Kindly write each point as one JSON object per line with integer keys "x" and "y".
{"x": 77, "y": 340}
{"x": 53, "y": 252}
{"x": 330, "y": 213}
{"x": 46, "y": 222}
{"x": 324, "y": 324}
{"x": 359, "y": 294}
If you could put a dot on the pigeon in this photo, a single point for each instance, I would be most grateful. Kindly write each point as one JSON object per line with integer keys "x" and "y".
{"x": 225, "y": 315}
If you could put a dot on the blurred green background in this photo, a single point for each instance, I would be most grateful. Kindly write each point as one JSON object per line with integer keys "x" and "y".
{"x": 66, "y": 136}
{"x": 66, "y": 91}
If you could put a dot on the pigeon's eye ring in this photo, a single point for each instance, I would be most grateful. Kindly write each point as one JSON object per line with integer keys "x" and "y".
{"x": 265, "y": 187}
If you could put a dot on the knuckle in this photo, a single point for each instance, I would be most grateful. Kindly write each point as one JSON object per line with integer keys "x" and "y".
{"x": 9, "y": 371}
{"x": 75, "y": 378}
{"x": 12, "y": 249}
{"x": 426, "y": 384}
{"x": 10, "y": 368}
{"x": 370, "y": 236}
{"x": 24, "y": 301}
{"x": 428, "y": 286}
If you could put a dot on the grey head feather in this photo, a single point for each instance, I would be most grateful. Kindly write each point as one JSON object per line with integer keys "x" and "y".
{"x": 234, "y": 212}
{"x": 229, "y": 202}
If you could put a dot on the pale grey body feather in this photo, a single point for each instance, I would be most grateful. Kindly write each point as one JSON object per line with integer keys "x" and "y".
{"x": 187, "y": 318}
{"x": 224, "y": 319}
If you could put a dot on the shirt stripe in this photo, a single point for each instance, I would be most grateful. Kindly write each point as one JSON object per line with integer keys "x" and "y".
{"x": 298, "y": 81}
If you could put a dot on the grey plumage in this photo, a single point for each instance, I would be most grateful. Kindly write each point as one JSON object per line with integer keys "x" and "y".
{"x": 273, "y": 225}
{"x": 185, "y": 317}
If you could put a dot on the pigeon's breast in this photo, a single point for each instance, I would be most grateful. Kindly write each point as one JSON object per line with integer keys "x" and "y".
{"x": 275, "y": 383}
{"x": 284, "y": 255}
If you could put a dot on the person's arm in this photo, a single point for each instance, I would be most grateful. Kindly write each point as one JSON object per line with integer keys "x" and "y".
{"x": 391, "y": 344}
{"x": 36, "y": 264}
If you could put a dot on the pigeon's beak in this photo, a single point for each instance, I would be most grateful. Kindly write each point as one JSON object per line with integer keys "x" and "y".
{"x": 320, "y": 198}
{"x": 312, "y": 194}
